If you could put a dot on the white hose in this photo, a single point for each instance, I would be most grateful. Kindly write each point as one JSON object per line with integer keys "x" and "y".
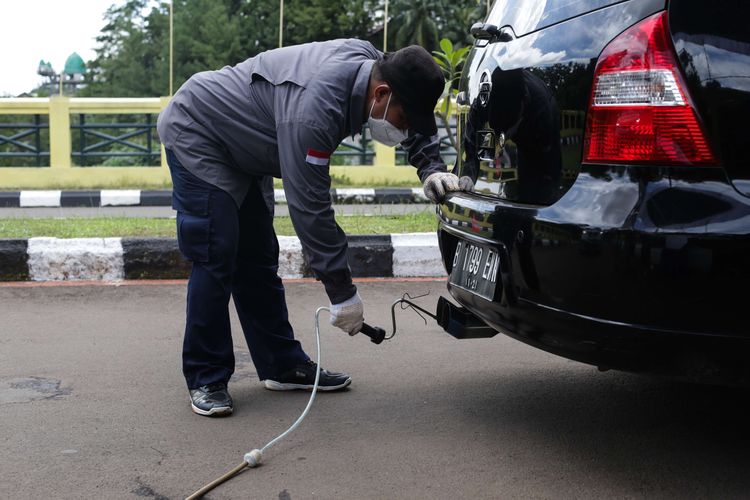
{"x": 254, "y": 457}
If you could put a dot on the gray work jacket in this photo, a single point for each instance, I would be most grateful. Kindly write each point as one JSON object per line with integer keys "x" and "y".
{"x": 279, "y": 114}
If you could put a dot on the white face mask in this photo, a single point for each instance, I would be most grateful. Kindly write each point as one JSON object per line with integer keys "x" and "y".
{"x": 384, "y": 131}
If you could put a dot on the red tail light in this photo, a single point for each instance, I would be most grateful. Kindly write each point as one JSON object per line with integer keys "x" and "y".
{"x": 640, "y": 110}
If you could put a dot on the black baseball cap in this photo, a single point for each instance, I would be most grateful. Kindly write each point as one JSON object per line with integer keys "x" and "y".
{"x": 417, "y": 82}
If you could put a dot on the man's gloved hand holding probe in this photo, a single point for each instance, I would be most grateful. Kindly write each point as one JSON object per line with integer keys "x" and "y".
{"x": 348, "y": 315}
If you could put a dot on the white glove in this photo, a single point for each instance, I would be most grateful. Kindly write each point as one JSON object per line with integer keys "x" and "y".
{"x": 466, "y": 184}
{"x": 348, "y": 315}
{"x": 437, "y": 185}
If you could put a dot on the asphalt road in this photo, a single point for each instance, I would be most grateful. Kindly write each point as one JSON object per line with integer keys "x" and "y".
{"x": 92, "y": 405}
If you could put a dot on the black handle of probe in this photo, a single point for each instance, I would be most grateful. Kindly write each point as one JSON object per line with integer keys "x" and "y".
{"x": 375, "y": 333}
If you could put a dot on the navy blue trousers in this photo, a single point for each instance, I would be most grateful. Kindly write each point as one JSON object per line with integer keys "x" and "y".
{"x": 234, "y": 253}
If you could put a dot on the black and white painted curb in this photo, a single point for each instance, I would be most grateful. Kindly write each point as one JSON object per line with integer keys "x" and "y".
{"x": 161, "y": 198}
{"x": 113, "y": 259}
{"x": 100, "y": 198}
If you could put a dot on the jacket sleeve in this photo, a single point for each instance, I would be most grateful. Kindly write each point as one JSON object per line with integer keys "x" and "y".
{"x": 424, "y": 153}
{"x": 307, "y": 187}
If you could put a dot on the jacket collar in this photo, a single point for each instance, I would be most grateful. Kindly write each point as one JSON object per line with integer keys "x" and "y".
{"x": 359, "y": 94}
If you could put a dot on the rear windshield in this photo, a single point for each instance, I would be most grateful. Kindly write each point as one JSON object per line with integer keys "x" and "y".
{"x": 525, "y": 16}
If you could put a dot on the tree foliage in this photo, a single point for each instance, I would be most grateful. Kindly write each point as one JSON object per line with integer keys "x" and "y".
{"x": 417, "y": 23}
{"x": 425, "y": 22}
{"x": 309, "y": 20}
{"x": 132, "y": 54}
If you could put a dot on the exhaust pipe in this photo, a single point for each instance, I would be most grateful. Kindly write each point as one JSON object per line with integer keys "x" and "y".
{"x": 460, "y": 322}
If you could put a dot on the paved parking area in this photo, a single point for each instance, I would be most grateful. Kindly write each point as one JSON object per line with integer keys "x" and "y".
{"x": 93, "y": 406}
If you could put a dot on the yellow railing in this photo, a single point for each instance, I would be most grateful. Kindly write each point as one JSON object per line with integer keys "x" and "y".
{"x": 62, "y": 174}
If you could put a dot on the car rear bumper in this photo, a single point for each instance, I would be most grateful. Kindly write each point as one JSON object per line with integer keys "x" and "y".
{"x": 630, "y": 265}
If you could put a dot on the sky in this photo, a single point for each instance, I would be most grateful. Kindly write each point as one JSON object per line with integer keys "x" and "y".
{"x": 31, "y": 30}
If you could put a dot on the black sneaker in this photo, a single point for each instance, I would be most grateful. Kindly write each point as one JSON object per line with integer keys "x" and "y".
{"x": 303, "y": 377}
{"x": 212, "y": 400}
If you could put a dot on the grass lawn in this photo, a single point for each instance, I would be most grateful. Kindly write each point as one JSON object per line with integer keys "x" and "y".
{"x": 336, "y": 182}
{"x": 142, "y": 227}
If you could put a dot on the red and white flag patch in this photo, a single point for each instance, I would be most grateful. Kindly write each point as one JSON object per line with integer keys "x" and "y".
{"x": 319, "y": 158}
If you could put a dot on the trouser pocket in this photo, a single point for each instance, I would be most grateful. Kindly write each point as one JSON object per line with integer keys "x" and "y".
{"x": 190, "y": 197}
{"x": 194, "y": 236}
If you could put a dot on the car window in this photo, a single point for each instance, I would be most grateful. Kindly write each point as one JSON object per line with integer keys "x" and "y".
{"x": 525, "y": 16}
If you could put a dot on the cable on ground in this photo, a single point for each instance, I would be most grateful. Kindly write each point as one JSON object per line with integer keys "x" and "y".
{"x": 254, "y": 457}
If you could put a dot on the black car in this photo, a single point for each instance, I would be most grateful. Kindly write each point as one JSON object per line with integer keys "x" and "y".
{"x": 610, "y": 218}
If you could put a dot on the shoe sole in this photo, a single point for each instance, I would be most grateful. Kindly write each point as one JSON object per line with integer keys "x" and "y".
{"x": 278, "y": 386}
{"x": 221, "y": 411}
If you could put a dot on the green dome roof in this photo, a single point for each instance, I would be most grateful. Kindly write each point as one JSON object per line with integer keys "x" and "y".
{"x": 45, "y": 68}
{"x": 74, "y": 65}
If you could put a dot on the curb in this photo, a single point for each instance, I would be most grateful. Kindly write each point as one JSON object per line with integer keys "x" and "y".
{"x": 114, "y": 259}
{"x": 163, "y": 198}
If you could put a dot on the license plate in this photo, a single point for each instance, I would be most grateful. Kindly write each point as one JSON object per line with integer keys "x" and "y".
{"x": 475, "y": 269}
